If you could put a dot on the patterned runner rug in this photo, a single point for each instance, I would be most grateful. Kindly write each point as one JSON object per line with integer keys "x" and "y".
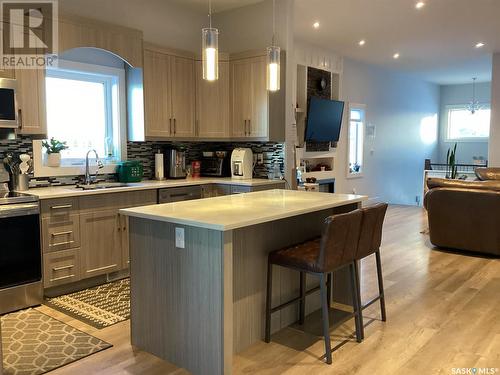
{"x": 100, "y": 306}
{"x": 35, "y": 343}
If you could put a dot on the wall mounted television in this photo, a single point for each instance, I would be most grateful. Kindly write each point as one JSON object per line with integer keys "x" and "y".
{"x": 324, "y": 120}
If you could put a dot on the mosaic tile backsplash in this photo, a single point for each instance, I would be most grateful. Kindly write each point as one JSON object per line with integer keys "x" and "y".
{"x": 144, "y": 151}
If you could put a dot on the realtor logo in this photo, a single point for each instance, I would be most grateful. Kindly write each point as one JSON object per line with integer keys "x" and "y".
{"x": 29, "y": 33}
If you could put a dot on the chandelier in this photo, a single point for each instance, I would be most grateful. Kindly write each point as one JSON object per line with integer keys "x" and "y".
{"x": 473, "y": 105}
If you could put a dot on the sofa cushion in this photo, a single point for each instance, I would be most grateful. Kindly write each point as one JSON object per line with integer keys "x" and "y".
{"x": 486, "y": 174}
{"x": 492, "y": 185}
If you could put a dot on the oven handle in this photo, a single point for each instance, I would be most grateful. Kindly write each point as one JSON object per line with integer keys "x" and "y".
{"x": 24, "y": 209}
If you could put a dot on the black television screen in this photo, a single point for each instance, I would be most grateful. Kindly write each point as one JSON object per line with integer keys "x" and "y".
{"x": 324, "y": 120}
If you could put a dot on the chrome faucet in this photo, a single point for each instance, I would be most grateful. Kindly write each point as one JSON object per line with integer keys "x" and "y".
{"x": 88, "y": 178}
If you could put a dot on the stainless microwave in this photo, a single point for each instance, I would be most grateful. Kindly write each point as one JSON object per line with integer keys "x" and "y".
{"x": 8, "y": 103}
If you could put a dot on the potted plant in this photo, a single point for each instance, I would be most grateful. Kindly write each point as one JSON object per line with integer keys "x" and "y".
{"x": 451, "y": 161}
{"x": 54, "y": 148}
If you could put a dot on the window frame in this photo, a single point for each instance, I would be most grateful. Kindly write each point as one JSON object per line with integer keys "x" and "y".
{"x": 446, "y": 137}
{"x": 360, "y": 107}
{"x": 109, "y": 76}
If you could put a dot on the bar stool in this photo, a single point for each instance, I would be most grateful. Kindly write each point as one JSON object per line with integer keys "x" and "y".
{"x": 335, "y": 249}
{"x": 369, "y": 243}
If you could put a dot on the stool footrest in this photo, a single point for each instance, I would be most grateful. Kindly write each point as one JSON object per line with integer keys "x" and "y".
{"x": 292, "y": 301}
{"x": 371, "y": 302}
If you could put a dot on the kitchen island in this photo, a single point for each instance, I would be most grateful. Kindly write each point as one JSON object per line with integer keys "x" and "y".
{"x": 198, "y": 271}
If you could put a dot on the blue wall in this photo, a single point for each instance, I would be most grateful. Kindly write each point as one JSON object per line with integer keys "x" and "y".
{"x": 404, "y": 111}
{"x": 461, "y": 94}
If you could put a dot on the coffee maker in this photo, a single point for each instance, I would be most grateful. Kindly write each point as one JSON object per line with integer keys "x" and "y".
{"x": 175, "y": 163}
{"x": 242, "y": 163}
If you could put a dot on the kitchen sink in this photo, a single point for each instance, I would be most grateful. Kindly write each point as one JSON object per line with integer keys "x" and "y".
{"x": 105, "y": 185}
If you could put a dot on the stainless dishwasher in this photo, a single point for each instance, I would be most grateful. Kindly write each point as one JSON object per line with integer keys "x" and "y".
{"x": 179, "y": 194}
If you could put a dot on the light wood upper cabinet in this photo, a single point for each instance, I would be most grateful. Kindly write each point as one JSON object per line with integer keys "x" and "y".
{"x": 7, "y": 73}
{"x": 169, "y": 95}
{"x": 157, "y": 103}
{"x": 183, "y": 96}
{"x": 249, "y": 98}
{"x": 212, "y": 103}
{"x": 259, "y": 122}
{"x": 31, "y": 101}
{"x": 101, "y": 250}
{"x": 241, "y": 97}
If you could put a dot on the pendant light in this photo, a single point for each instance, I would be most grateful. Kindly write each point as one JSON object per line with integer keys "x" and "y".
{"x": 474, "y": 105}
{"x": 273, "y": 59}
{"x": 210, "y": 49}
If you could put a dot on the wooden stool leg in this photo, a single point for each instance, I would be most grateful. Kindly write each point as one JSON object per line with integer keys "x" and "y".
{"x": 356, "y": 304}
{"x": 326, "y": 321}
{"x": 380, "y": 286}
{"x": 329, "y": 289}
{"x": 357, "y": 279}
{"x": 302, "y": 312}
{"x": 268, "y": 301}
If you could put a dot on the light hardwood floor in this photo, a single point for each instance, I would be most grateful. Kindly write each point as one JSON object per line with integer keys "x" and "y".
{"x": 443, "y": 312}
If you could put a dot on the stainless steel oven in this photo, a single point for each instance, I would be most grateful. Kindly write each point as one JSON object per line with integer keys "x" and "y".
{"x": 8, "y": 103}
{"x": 20, "y": 251}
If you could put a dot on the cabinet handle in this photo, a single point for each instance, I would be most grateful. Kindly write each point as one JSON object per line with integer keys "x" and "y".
{"x": 62, "y": 243}
{"x": 62, "y": 278}
{"x": 62, "y": 233}
{"x": 55, "y": 269}
{"x": 170, "y": 126}
{"x": 249, "y": 127}
{"x": 175, "y": 126}
{"x": 20, "y": 118}
{"x": 246, "y": 127}
{"x": 61, "y": 207}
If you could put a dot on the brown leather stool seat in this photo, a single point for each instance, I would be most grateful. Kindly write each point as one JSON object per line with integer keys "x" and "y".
{"x": 320, "y": 257}
{"x": 302, "y": 256}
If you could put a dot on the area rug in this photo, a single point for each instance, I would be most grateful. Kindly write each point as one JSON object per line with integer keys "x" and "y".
{"x": 100, "y": 306}
{"x": 34, "y": 343}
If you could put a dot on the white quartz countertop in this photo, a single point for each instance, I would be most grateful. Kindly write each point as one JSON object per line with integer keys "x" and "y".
{"x": 72, "y": 191}
{"x": 242, "y": 210}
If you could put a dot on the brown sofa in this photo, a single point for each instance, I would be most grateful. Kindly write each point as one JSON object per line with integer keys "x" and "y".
{"x": 465, "y": 215}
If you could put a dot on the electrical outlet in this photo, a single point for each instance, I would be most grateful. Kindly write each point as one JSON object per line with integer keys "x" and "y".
{"x": 179, "y": 238}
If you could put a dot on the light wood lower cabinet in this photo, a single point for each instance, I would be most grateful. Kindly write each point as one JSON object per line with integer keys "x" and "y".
{"x": 85, "y": 236}
{"x": 101, "y": 250}
{"x": 125, "y": 242}
{"x": 61, "y": 267}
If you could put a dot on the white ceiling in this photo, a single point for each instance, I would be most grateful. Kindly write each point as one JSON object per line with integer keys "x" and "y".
{"x": 436, "y": 42}
{"x": 217, "y": 5}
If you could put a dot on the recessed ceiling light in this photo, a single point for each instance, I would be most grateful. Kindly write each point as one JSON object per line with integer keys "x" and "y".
{"x": 479, "y": 45}
{"x": 316, "y": 24}
{"x": 362, "y": 42}
{"x": 419, "y": 5}
{"x": 395, "y": 56}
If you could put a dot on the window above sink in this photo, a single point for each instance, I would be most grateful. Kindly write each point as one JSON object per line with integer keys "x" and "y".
{"x": 86, "y": 107}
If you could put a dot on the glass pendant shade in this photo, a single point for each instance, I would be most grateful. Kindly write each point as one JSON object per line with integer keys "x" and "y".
{"x": 210, "y": 51}
{"x": 273, "y": 68}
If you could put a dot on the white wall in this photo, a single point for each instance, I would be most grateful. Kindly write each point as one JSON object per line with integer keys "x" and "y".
{"x": 461, "y": 94}
{"x": 494, "y": 146}
{"x": 162, "y": 22}
{"x": 247, "y": 28}
{"x": 404, "y": 111}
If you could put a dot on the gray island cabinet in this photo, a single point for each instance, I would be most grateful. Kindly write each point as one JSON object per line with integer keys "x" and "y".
{"x": 198, "y": 272}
